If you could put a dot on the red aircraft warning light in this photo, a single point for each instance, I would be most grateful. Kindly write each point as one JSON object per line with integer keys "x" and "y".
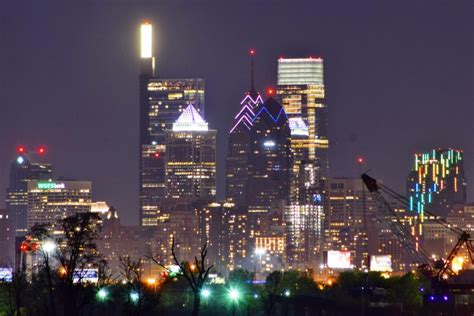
{"x": 252, "y": 51}
{"x": 360, "y": 160}
{"x": 21, "y": 149}
{"x": 41, "y": 150}
{"x": 270, "y": 91}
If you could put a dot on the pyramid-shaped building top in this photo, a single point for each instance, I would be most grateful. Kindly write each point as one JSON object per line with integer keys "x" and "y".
{"x": 190, "y": 120}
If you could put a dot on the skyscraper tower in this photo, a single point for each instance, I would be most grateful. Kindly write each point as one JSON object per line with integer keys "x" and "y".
{"x": 161, "y": 103}
{"x": 301, "y": 93}
{"x": 191, "y": 158}
{"x": 27, "y": 166}
{"x": 270, "y": 159}
{"x": 437, "y": 182}
{"x": 239, "y": 143}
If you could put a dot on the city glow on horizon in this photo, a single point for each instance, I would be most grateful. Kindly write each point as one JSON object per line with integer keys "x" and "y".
{"x": 146, "y": 32}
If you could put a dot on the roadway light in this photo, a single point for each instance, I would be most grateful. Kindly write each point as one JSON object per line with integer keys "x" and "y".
{"x": 287, "y": 293}
{"x": 134, "y": 296}
{"x": 260, "y": 251}
{"x": 205, "y": 293}
{"x": 151, "y": 281}
{"x": 48, "y": 246}
{"x": 234, "y": 294}
{"x": 102, "y": 294}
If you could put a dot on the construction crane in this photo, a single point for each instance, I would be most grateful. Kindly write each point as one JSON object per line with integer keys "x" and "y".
{"x": 437, "y": 271}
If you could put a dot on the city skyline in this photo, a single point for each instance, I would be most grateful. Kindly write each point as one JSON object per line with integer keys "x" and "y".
{"x": 388, "y": 152}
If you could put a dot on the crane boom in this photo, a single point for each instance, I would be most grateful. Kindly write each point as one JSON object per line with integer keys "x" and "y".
{"x": 393, "y": 220}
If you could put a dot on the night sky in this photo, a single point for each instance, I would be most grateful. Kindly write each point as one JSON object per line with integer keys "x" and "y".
{"x": 399, "y": 79}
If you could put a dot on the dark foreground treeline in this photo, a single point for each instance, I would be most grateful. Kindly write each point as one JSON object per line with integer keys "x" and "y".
{"x": 50, "y": 289}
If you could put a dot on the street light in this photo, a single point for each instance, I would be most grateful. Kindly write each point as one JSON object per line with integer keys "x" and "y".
{"x": 205, "y": 293}
{"x": 234, "y": 296}
{"x": 259, "y": 252}
{"x": 287, "y": 293}
{"x": 102, "y": 294}
{"x": 48, "y": 246}
{"x": 134, "y": 297}
{"x": 151, "y": 281}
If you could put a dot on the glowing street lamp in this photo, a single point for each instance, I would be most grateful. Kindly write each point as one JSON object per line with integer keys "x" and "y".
{"x": 234, "y": 296}
{"x": 102, "y": 294}
{"x": 48, "y": 246}
{"x": 259, "y": 252}
{"x": 206, "y": 293}
{"x": 134, "y": 297}
{"x": 151, "y": 281}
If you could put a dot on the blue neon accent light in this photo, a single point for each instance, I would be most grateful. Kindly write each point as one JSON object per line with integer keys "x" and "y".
{"x": 275, "y": 119}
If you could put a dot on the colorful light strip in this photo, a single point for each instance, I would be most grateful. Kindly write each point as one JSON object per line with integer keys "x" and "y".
{"x": 434, "y": 172}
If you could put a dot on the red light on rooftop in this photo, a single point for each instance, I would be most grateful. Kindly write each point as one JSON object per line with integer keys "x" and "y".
{"x": 21, "y": 149}
{"x": 360, "y": 160}
{"x": 41, "y": 150}
{"x": 252, "y": 51}
{"x": 270, "y": 91}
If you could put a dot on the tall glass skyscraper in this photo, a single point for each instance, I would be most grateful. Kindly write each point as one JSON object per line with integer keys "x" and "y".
{"x": 270, "y": 159}
{"x": 237, "y": 160}
{"x": 191, "y": 158}
{"x": 161, "y": 103}
{"x": 25, "y": 168}
{"x": 301, "y": 92}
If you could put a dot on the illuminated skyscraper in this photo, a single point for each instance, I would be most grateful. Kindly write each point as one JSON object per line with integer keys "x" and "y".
{"x": 27, "y": 166}
{"x": 350, "y": 213}
{"x": 270, "y": 159}
{"x": 161, "y": 103}
{"x": 305, "y": 219}
{"x": 437, "y": 182}
{"x": 6, "y": 238}
{"x": 50, "y": 201}
{"x": 190, "y": 158}
{"x": 301, "y": 93}
{"x": 239, "y": 145}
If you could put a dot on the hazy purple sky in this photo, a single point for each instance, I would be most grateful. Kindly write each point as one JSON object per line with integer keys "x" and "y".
{"x": 399, "y": 78}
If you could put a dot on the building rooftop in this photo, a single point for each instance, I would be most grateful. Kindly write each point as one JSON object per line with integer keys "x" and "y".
{"x": 190, "y": 120}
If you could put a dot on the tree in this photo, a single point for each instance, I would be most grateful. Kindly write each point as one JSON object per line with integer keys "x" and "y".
{"x": 272, "y": 288}
{"x": 132, "y": 270}
{"x": 40, "y": 233}
{"x": 76, "y": 251}
{"x": 16, "y": 291}
{"x": 196, "y": 274}
{"x": 285, "y": 284}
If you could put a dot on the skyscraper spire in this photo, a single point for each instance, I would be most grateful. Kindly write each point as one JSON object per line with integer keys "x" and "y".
{"x": 252, "y": 83}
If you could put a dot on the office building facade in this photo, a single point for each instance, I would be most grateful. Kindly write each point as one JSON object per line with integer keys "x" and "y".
{"x": 50, "y": 201}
